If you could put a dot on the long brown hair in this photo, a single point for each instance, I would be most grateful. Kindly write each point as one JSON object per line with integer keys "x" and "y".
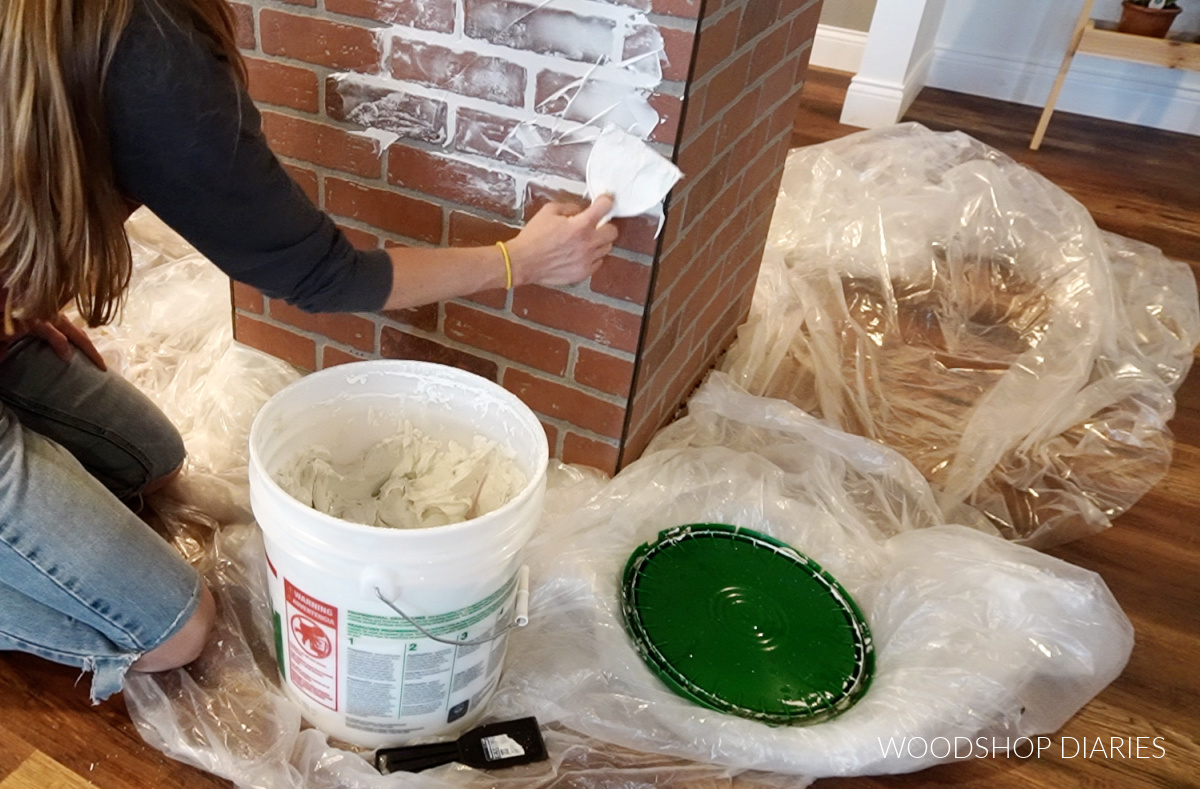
{"x": 62, "y": 218}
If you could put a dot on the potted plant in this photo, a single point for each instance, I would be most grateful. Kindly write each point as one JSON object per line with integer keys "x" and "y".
{"x": 1148, "y": 17}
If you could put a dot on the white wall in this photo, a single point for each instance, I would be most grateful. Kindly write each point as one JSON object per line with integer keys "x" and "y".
{"x": 848, "y": 14}
{"x": 1011, "y": 50}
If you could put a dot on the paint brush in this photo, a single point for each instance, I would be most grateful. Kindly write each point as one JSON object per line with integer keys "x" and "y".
{"x": 489, "y": 747}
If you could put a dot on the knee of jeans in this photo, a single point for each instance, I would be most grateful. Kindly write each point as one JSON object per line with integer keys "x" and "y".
{"x": 168, "y": 458}
{"x": 162, "y": 460}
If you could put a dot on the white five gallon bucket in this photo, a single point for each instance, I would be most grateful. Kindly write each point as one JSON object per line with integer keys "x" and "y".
{"x": 361, "y": 672}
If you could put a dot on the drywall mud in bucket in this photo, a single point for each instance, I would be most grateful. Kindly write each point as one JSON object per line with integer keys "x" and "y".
{"x": 360, "y": 671}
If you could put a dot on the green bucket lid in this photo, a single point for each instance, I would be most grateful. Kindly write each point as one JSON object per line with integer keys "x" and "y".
{"x": 742, "y": 623}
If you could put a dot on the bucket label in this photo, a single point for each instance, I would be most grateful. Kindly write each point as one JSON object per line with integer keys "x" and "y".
{"x": 394, "y": 671}
{"x": 312, "y": 628}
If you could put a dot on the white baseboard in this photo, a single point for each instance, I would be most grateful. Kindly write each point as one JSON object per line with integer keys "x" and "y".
{"x": 1116, "y": 90}
{"x": 873, "y": 103}
{"x": 838, "y": 48}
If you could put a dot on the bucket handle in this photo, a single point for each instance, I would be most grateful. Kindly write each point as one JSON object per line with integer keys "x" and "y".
{"x": 520, "y": 619}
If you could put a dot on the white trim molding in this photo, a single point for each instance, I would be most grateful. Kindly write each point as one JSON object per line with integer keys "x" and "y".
{"x": 838, "y": 48}
{"x": 1099, "y": 87}
{"x": 895, "y": 62}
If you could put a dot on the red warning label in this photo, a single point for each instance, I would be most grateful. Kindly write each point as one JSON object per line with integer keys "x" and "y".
{"x": 312, "y": 646}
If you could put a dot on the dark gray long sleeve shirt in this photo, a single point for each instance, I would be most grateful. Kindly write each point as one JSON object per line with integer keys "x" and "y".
{"x": 187, "y": 143}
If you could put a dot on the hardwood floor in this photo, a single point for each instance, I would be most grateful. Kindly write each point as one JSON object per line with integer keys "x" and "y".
{"x": 1141, "y": 183}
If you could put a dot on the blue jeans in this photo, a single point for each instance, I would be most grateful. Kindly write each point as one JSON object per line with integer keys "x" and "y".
{"x": 83, "y": 580}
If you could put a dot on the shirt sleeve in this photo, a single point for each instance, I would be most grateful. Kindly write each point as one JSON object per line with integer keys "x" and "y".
{"x": 187, "y": 143}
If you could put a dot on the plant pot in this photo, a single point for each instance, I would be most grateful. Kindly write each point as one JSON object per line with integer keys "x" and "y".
{"x": 1142, "y": 21}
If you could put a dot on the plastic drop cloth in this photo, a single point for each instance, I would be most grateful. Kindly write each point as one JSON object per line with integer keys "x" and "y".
{"x": 928, "y": 292}
{"x": 226, "y": 713}
{"x": 975, "y": 636}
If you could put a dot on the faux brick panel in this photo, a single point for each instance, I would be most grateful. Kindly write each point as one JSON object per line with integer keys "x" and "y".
{"x": 332, "y": 357}
{"x": 804, "y": 27}
{"x": 727, "y": 85}
{"x": 705, "y": 189}
{"x": 622, "y": 279}
{"x": 551, "y": 438}
{"x": 704, "y": 303}
{"x": 490, "y": 135}
{"x": 507, "y": 338}
{"x": 757, "y": 18}
{"x": 395, "y": 213}
{"x": 306, "y": 179}
{"x": 464, "y": 73}
{"x": 641, "y": 5}
{"x": 738, "y": 119}
{"x": 550, "y": 83}
{"x": 538, "y": 195}
{"x": 697, "y": 153}
{"x": 745, "y": 59}
{"x": 718, "y": 39}
{"x": 395, "y": 344}
{"x": 341, "y": 328}
{"x": 763, "y": 170}
{"x": 669, "y": 109}
{"x": 244, "y": 16}
{"x": 560, "y": 310}
{"x": 577, "y": 100}
{"x": 470, "y": 230}
{"x": 779, "y": 91}
{"x": 424, "y": 317}
{"x": 278, "y": 83}
{"x": 318, "y": 41}
{"x": 497, "y": 298}
{"x": 676, "y": 47}
{"x": 538, "y": 29}
{"x": 360, "y": 239}
{"x": 412, "y": 117}
{"x": 565, "y": 403}
{"x": 771, "y": 51}
{"x": 603, "y": 371}
{"x": 327, "y": 146}
{"x": 458, "y": 181}
{"x": 424, "y": 14}
{"x": 291, "y": 347}
{"x": 636, "y": 234}
{"x": 482, "y": 132}
{"x": 247, "y": 298}
{"x": 688, "y": 9}
{"x": 589, "y": 452}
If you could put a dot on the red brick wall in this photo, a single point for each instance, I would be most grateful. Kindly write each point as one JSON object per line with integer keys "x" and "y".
{"x": 747, "y": 70}
{"x": 605, "y": 362}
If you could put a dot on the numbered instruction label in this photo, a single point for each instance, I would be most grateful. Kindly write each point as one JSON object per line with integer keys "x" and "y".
{"x": 381, "y": 672}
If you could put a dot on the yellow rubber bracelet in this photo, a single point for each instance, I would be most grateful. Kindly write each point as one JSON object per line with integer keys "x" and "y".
{"x": 507, "y": 265}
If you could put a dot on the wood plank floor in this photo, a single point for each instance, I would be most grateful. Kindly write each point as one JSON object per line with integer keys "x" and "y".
{"x": 1140, "y": 183}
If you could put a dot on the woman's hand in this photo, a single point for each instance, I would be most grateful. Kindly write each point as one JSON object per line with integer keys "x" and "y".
{"x": 561, "y": 244}
{"x": 60, "y": 334}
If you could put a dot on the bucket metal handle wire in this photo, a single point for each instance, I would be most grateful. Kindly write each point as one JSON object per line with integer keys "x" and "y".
{"x": 520, "y": 617}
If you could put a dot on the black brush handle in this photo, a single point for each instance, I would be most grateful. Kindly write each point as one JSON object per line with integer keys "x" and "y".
{"x": 414, "y": 758}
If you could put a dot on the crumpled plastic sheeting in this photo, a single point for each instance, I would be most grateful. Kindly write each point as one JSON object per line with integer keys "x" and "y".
{"x": 926, "y": 291}
{"x": 975, "y": 636}
{"x": 226, "y": 713}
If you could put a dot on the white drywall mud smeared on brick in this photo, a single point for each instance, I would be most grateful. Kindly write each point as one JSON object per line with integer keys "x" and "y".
{"x": 382, "y": 139}
{"x": 380, "y": 106}
{"x": 517, "y": 86}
